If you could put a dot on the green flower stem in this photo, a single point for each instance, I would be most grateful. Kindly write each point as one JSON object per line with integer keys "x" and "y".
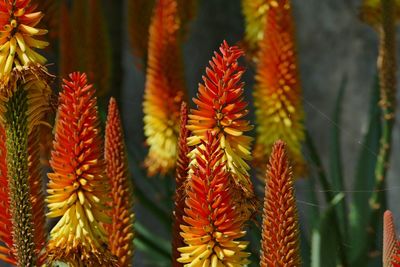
{"x": 17, "y": 163}
{"x": 387, "y": 79}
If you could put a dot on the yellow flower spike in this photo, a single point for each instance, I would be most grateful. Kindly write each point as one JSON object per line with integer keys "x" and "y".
{"x": 277, "y": 93}
{"x": 371, "y": 12}
{"x": 18, "y": 40}
{"x": 78, "y": 238}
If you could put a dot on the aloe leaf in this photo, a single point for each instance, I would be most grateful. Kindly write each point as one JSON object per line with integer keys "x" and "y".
{"x": 152, "y": 242}
{"x": 335, "y": 159}
{"x": 324, "y": 240}
{"x": 365, "y": 179}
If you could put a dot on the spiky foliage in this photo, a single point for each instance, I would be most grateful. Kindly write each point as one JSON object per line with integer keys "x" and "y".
{"x": 18, "y": 39}
{"x": 213, "y": 223}
{"x": 371, "y": 12}
{"x": 181, "y": 174}
{"x": 390, "y": 245}
{"x": 255, "y": 14}
{"x": 280, "y": 229}
{"x": 18, "y": 178}
{"x": 78, "y": 185}
{"x": 121, "y": 232}
{"x": 36, "y": 193}
{"x": 164, "y": 90}
{"x": 221, "y": 109}
{"x": 277, "y": 93}
{"x": 6, "y": 253}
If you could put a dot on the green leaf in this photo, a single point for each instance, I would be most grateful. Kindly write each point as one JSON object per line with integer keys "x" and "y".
{"x": 365, "y": 179}
{"x": 335, "y": 158}
{"x": 152, "y": 243}
{"x": 324, "y": 239}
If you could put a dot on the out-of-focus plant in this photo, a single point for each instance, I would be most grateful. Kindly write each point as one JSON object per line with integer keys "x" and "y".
{"x": 277, "y": 93}
{"x": 165, "y": 89}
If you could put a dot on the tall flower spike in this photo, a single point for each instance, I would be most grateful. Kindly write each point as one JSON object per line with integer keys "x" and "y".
{"x": 182, "y": 168}
{"x": 255, "y": 14}
{"x": 390, "y": 246}
{"x": 78, "y": 186}
{"x": 121, "y": 232}
{"x": 220, "y": 109}
{"x": 280, "y": 229}
{"x": 6, "y": 250}
{"x": 164, "y": 90}
{"x": 277, "y": 93}
{"x": 212, "y": 221}
{"x": 18, "y": 37}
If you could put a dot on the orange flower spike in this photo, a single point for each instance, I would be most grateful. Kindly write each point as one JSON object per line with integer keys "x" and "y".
{"x": 182, "y": 168}
{"x": 18, "y": 20}
{"x": 390, "y": 246}
{"x": 280, "y": 229}
{"x": 78, "y": 185}
{"x": 277, "y": 94}
{"x": 221, "y": 108}
{"x": 121, "y": 232}
{"x": 164, "y": 90}
{"x": 6, "y": 238}
{"x": 212, "y": 221}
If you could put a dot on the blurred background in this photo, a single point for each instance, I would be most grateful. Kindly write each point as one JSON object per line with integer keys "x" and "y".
{"x": 333, "y": 44}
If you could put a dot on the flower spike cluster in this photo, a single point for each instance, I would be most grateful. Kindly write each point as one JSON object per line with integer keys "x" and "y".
{"x": 121, "y": 232}
{"x": 182, "y": 168}
{"x": 212, "y": 222}
{"x": 280, "y": 229}
{"x": 18, "y": 35}
{"x": 221, "y": 109}
{"x": 164, "y": 90}
{"x": 277, "y": 93}
{"x": 78, "y": 187}
{"x": 390, "y": 246}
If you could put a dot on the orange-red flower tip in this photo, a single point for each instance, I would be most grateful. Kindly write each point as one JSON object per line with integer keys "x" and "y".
{"x": 18, "y": 38}
{"x": 78, "y": 186}
{"x": 164, "y": 90}
{"x": 212, "y": 223}
{"x": 280, "y": 229}
{"x": 121, "y": 232}
{"x": 277, "y": 93}
{"x": 221, "y": 109}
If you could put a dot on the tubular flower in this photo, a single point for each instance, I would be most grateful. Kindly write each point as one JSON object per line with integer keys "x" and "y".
{"x": 51, "y": 19}
{"x": 164, "y": 90}
{"x": 221, "y": 108}
{"x": 390, "y": 245}
{"x": 18, "y": 35}
{"x": 78, "y": 186}
{"x": 371, "y": 12}
{"x": 280, "y": 229}
{"x": 182, "y": 168}
{"x": 120, "y": 231}
{"x": 277, "y": 94}
{"x": 212, "y": 220}
{"x": 255, "y": 13}
{"x": 6, "y": 251}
